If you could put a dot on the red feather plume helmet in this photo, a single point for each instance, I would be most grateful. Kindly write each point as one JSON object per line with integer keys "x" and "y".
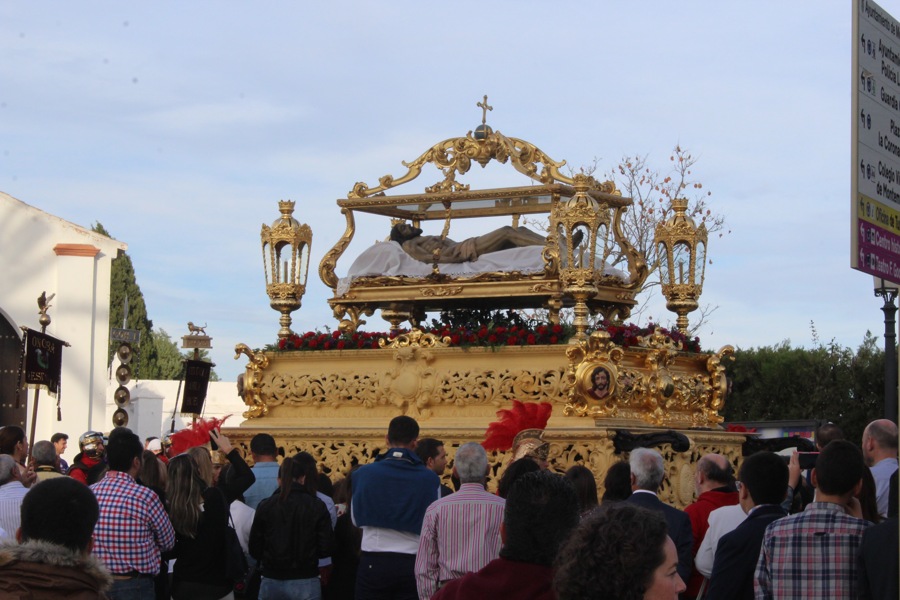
{"x": 197, "y": 434}
{"x": 521, "y": 429}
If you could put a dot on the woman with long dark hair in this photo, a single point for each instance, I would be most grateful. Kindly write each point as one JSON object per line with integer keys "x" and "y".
{"x": 199, "y": 516}
{"x": 291, "y": 531}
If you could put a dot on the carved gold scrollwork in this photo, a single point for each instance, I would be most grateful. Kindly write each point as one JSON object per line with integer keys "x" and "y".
{"x": 354, "y": 313}
{"x": 658, "y": 339}
{"x": 719, "y": 383}
{"x": 329, "y": 261}
{"x": 586, "y": 359}
{"x": 637, "y": 264}
{"x": 258, "y": 362}
{"x": 454, "y": 157}
{"x": 654, "y": 391}
{"x": 416, "y": 337}
{"x": 448, "y": 291}
{"x": 659, "y": 385}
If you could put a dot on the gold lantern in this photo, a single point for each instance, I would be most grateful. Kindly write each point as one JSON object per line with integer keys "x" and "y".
{"x": 582, "y": 226}
{"x": 682, "y": 261}
{"x": 285, "y": 248}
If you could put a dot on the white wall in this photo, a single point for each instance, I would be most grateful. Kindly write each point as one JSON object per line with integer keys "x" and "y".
{"x": 40, "y": 252}
{"x": 152, "y": 403}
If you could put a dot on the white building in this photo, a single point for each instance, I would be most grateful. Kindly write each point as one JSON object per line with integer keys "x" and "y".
{"x": 154, "y": 404}
{"x": 43, "y": 253}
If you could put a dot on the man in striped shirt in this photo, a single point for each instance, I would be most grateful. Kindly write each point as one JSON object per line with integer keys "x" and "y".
{"x": 133, "y": 528}
{"x": 461, "y": 532}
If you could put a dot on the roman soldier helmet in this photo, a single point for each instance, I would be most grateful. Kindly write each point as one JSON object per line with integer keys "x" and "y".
{"x": 91, "y": 444}
{"x": 520, "y": 429}
{"x": 165, "y": 443}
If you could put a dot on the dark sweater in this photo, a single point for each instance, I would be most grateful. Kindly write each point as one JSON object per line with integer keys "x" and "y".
{"x": 202, "y": 559}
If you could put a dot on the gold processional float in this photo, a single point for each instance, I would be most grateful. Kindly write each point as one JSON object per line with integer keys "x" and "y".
{"x": 336, "y": 404}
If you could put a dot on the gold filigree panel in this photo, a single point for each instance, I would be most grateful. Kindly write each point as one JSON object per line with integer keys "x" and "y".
{"x": 339, "y": 450}
{"x": 412, "y": 380}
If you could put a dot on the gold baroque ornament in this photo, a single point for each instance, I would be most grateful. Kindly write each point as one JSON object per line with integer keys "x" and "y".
{"x": 655, "y": 384}
{"x": 252, "y": 387}
{"x": 329, "y": 261}
{"x": 416, "y": 337}
{"x": 455, "y": 155}
{"x": 448, "y": 291}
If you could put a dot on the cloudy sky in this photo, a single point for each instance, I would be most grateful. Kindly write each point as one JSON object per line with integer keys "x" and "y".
{"x": 179, "y": 126}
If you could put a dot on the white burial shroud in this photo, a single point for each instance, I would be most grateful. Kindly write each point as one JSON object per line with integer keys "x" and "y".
{"x": 389, "y": 259}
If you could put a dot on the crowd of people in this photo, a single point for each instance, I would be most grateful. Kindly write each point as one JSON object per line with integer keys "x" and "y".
{"x": 131, "y": 518}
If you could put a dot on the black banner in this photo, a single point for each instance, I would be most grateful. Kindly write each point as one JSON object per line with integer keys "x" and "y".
{"x": 43, "y": 360}
{"x": 196, "y": 380}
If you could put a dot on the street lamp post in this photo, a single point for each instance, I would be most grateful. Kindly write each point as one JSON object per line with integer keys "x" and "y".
{"x": 888, "y": 291}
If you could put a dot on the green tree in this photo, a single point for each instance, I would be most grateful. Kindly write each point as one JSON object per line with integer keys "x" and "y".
{"x": 168, "y": 363}
{"x": 123, "y": 285}
{"x": 827, "y": 383}
{"x": 158, "y": 355}
{"x": 169, "y": 359}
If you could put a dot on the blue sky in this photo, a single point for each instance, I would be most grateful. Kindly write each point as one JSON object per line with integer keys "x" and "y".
{"x": 179, "y": 126}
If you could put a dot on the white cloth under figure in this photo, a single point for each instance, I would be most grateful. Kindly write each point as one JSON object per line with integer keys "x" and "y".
{"x": 721, "y": 521}
{"x": 389, "y": 259}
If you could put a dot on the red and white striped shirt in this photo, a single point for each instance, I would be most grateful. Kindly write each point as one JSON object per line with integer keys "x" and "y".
{"x": 133, "y": 527}
{"x": 460, "y": 534}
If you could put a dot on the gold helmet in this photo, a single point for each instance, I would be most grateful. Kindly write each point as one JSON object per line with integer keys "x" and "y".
{"x": 520, "y": 429}
{"x": 530, "y": 443}
{"x": 91, "y": 444}
{"x": 166, "y": 443}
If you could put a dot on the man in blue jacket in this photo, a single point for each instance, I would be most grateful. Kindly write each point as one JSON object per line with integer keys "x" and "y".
{"x": 390, "y": 497}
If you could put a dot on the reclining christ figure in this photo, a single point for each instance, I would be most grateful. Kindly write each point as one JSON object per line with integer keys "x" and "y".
{"x": 422, "y": 247}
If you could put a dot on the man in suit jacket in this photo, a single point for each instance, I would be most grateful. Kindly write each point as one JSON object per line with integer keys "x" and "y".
{"x": 647, "y": 470}
{"x": 878, "y": 570}
{"x": 762, "y": 485}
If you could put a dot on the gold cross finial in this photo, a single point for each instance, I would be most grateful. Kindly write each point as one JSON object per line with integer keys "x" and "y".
{"x": 484, "y": 106}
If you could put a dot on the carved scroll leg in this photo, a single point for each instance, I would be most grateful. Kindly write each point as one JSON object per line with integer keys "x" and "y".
{"x": 553, "y": 305}
{"x": 352, "y": 323}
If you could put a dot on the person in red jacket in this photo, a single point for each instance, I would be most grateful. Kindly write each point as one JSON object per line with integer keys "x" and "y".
{"x": 714, "y": 482}
{"x": 89, "y": 465}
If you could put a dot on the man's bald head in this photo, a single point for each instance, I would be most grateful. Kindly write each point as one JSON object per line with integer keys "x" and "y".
{"x": 713, "y": 471}
{"x": 879, "y": 441}
{"x": 884, "y": 432}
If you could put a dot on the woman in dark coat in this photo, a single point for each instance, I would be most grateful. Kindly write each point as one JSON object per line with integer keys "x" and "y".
{"x": 199, "y": 515}
{"x": 291, "y": 531}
